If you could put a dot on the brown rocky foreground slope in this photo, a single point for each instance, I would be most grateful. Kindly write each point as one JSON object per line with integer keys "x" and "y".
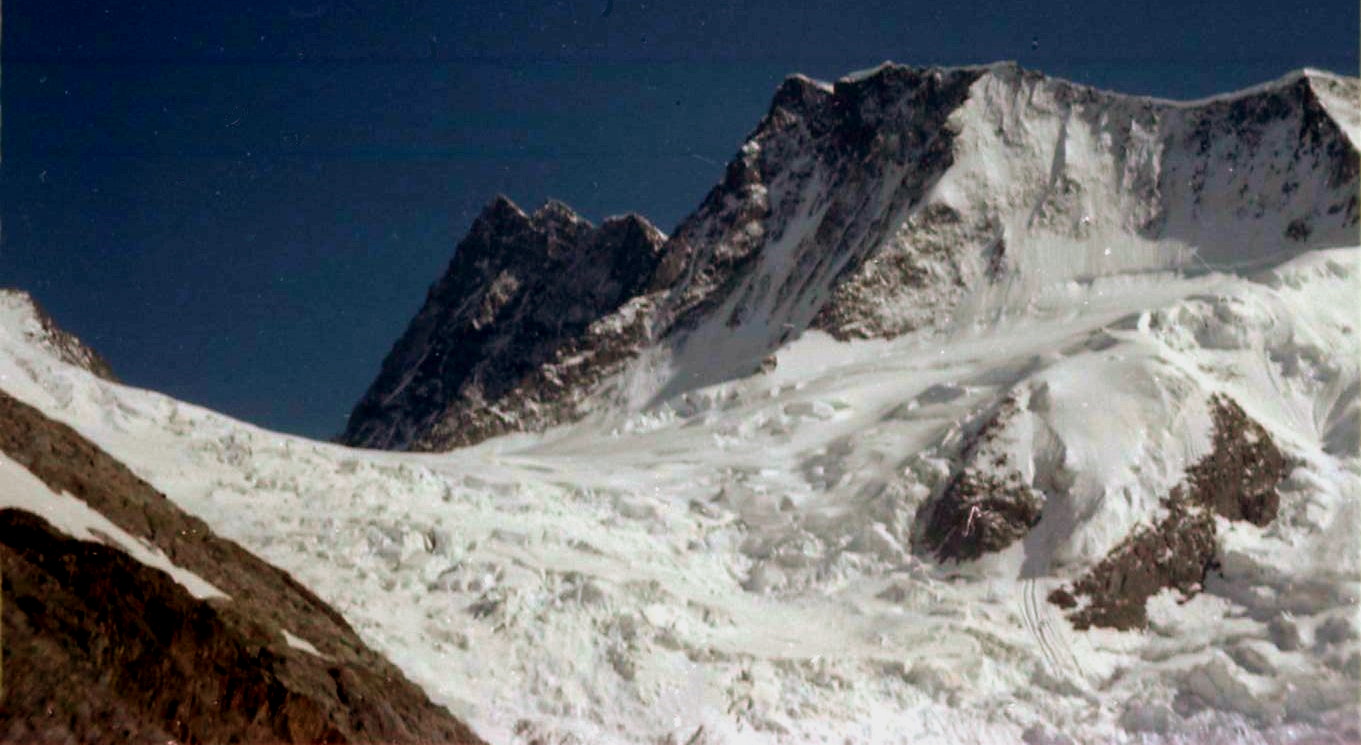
{"x": 99, "y": 647}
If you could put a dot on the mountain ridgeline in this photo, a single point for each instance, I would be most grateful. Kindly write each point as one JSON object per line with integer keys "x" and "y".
{"x": 893, "y": 201}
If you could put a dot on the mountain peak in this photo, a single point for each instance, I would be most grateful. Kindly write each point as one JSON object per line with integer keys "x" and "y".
{"x": 518, "y": 293}
{"x": 895, "y": 200}
{"x": 40, "y": 328}
{"x": 502, "y": 207}
{"x": 799, "y": 93}
{"x": 554, "y": 211}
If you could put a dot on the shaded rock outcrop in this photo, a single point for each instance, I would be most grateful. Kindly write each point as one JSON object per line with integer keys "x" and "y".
{"x": 503, "y": 333}
{"x": 1176, "y": 554}
{"x": 821, "y": 150}
{"x": 99, "y": 647}
{"x": 987, "y": 504}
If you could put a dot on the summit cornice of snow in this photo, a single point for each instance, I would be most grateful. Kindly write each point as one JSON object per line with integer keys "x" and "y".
{"x": 892, "y": 201}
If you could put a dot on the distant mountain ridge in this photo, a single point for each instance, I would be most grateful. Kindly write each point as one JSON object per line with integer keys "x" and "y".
{"x": 894, "y": 200}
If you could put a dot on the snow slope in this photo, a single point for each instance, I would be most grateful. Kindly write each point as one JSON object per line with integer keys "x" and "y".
{"x": 736, "y": 564}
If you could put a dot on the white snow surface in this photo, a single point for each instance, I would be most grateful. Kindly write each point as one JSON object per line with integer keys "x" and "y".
{"x": 734, "y": 565}
{"x": 297, "y": 642}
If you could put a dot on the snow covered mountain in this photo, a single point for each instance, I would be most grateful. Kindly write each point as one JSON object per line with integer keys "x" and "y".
{"x": 972, "y": 406}
{"x": 893, "y": 200}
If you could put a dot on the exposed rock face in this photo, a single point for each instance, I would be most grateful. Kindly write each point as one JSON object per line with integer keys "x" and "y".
{"x": 1284, "y": 137}
{"x": 893, "y": 201}
{"x": 102, "y": 648}
{"x": 986, "y": 505}
{"x": 44, "y": 332}
{"x": 554, "y": 392}
{"x": 813, "y": 193}
{"x": 922, "y": 257}
{"x": 829, "y": 174}
{"x": 1237, "y": 480}
{"x": 811, "y": 174}
{"x": 1176, "y": 553}
{"x": 523, "y": 292}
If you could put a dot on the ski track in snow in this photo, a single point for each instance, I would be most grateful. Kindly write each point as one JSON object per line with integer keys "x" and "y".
{"x": 1051, "y": 639}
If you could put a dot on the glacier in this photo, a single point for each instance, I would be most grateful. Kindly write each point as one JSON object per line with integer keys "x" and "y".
{"x": 725, "y": 541}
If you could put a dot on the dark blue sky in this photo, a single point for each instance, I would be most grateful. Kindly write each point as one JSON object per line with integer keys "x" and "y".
{"x": 241, "y": 204}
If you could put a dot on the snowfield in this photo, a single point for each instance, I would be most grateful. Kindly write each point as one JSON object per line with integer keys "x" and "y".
{"x": 736, "y": 564}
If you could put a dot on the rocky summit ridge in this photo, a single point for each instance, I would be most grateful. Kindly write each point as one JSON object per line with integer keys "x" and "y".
{"x": 892, "y": 201}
